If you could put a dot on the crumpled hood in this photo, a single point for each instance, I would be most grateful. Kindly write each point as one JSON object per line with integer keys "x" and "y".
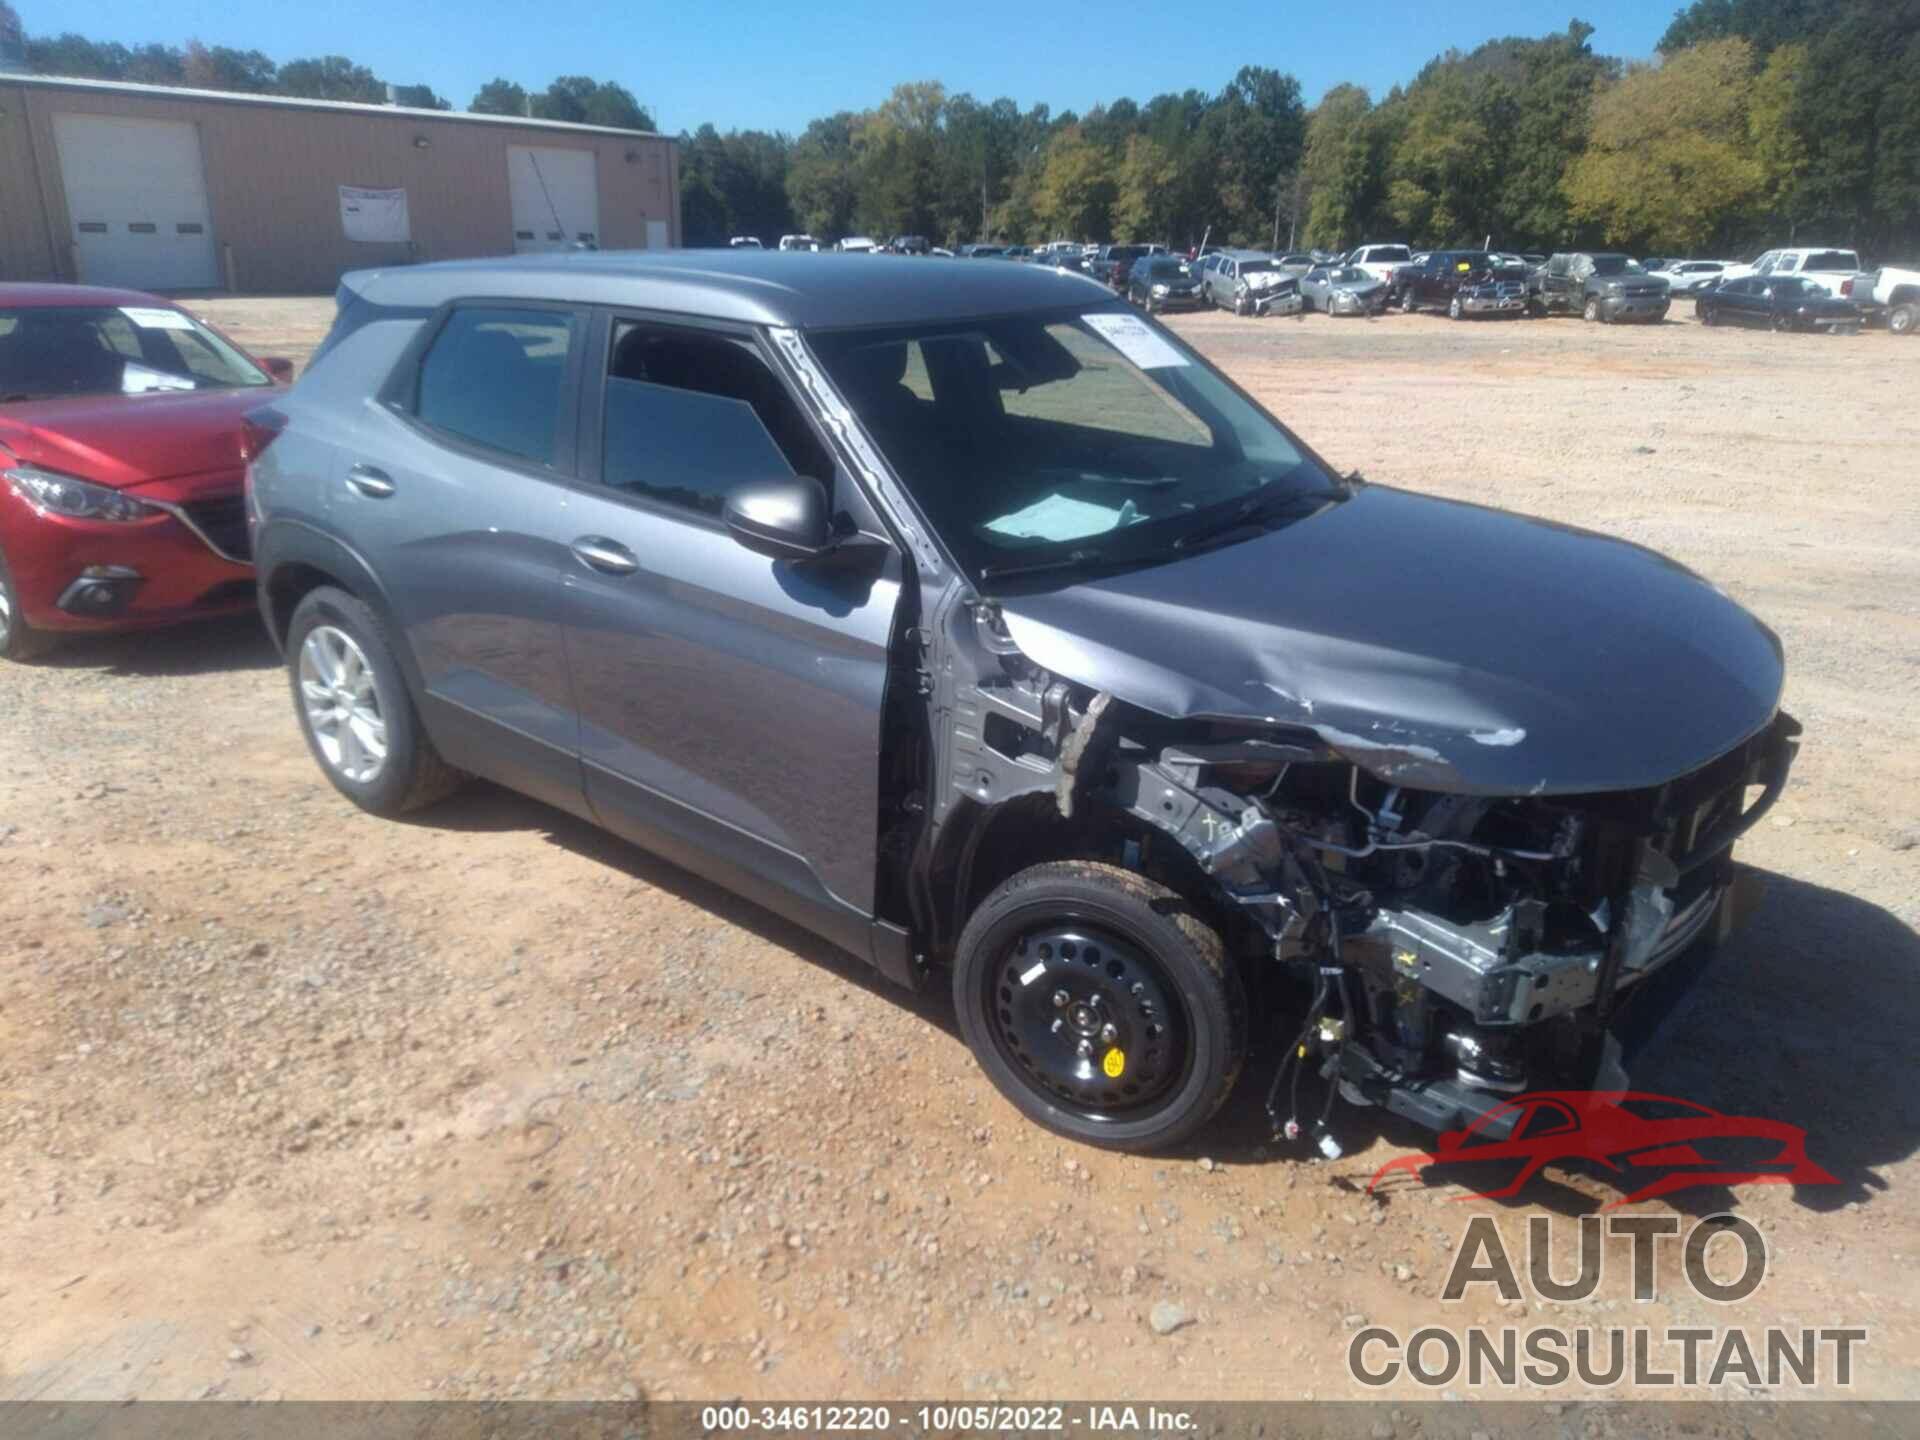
{"x": 122, "y": 440}
{"x": 1438, "y": 645}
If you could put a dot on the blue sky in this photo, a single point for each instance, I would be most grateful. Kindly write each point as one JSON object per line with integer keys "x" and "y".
{"x": 776, "y": 66}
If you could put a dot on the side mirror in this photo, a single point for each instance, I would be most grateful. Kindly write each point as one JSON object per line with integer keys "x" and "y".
{"x": 785, "y": 519}
{"x": 279, "y": 367}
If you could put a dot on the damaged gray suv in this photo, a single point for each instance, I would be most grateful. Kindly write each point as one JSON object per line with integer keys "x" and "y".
{"x": 977, "y": 624}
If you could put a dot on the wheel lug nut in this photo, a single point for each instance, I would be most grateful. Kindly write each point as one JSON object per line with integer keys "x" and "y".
{"x": 1061, "y": 999}
{"x": 1109, "y": 1033}
{"x": 1086, "y": 1049}
{"x": 1058, "y": 1024}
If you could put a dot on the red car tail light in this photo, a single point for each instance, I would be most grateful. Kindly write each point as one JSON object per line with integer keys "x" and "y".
{"x": 259, "y": 429}
{"x": 1846, "y": 288}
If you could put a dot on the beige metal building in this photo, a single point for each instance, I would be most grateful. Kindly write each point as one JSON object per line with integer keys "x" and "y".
{"x": 180, "y": 190}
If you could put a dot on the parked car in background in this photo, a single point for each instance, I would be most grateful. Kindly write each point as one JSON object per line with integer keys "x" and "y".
{"x": 1163, "y": 282}
{"x": 909, "y": 245}
{"x": 647, "y": 541}
{"x": 1297, "y": 263}
{"x": 1380, "y": 261}
{"x": 1107, "y": 263}
{"x": 1017, "y": 252}
{"x": 856, "y": 245}
{"x": 123, "y": 438}
{"x": 1237, "y": 280}
{"x": 1683, "y": 277}
{"x": 1462, "y": 283}
{"x": 1599, "y": 286}
{"x": 1778, "y": 302}
{"x": 799, "y": 242}
{"x": 981, "y": 252}
{"x": 745, "y": 242}
{"x": 1343, "y": 290}
{"x": 1825, "y": 266}
{"x": 1892, "y": 292}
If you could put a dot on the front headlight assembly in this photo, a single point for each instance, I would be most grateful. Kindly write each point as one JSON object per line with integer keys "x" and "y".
{"x": 58, "y": 494}
{"x": 1159, "y": 289}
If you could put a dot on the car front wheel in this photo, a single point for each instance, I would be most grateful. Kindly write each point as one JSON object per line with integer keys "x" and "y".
{"x": 1591, "y": 313}
{"x": 18, "y": 640}
{"x": 1101, "y": 1004}
{"x": 1454, "y": 312}
{"x": 1902, "y": 318}
{"x": 355, "y": 711}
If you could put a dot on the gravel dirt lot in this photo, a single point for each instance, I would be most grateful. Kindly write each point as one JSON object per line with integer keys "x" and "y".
{"x": 296, "y": 1102}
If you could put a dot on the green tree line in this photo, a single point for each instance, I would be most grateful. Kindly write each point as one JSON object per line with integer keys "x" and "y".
{"x": 1761, "y": 121}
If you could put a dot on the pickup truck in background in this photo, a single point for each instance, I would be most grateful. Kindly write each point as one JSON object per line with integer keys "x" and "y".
{"x": 1825, "y": 266}
{"x": 1462, "y": 283}
{"x": 1892, "y": 292}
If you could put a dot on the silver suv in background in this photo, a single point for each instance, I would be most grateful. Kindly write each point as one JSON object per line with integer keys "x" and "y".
{"x": 971, "y": 620}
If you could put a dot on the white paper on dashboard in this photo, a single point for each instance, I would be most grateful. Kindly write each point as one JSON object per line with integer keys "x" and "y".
{"x": 1131, "y": 337}
{"x": 152, "y": 317}
{"x": 1060, "y": 517}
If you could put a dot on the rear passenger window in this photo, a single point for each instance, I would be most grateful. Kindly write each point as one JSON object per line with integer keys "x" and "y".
{"x": 497, "y": 378}
{"x": 688, "y": 417}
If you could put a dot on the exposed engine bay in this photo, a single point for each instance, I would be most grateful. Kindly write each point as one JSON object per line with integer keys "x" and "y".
{"x": 1440, "y": 950}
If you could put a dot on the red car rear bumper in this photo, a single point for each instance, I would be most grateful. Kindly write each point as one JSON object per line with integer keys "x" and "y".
{"x": 91, "y": 575}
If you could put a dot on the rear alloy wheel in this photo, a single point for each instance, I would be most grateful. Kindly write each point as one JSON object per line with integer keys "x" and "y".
{"x": 1407, "y": 303}
{"x": 1454, "y": 312}
{"x": 355, "y": 711}
{"x": 1705, "y": 312}
{"x": 1591, "y": 314}
{"x": 1782, "y": 324}
{"x": 18, "y": 640}
{"x": 1902, "y": 318}
{"x": 1101, "y": 1005}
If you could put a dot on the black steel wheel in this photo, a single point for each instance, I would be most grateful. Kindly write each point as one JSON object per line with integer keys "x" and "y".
{"x": 1100, "y": 1004}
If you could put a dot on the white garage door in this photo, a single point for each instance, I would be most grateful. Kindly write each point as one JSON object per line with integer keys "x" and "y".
{"x": 556, "y": 199}
{"x": 137, "y": 200}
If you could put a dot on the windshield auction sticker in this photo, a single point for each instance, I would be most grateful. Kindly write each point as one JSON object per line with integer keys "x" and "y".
{"x": 1131, "y": 337}
{"x": 152, "y": 317}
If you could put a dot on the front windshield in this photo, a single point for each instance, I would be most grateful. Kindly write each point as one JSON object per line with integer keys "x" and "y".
{"x": 1381, "y": 253}
{"x": 1166, "y": 269}
{"x": 114, "y": 350}
{"x": 1061, "y": 437}
{"x": 1348, "y": 275}
{"x": 1615, "y": 265}
{"x": 1257, "y": 267}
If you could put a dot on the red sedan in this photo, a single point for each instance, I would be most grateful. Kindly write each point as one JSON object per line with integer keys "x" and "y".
{"x": 122, "y": 435}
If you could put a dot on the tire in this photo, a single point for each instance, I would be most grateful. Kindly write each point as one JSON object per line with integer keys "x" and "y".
{"x": 1454, "y": 312}
{"x": 1902, "y": 319}
{"x": 1705, "y": 312}
{"x": 410, "y": 773}
{"x": 19, "y": 641}
{"x": 1141, "y": 973}
{"x": 1240, "y": 305}
{"x": 1782, "y": 324}
{"x": 1591, "y": 313}
{"x": 1408, "y": 305}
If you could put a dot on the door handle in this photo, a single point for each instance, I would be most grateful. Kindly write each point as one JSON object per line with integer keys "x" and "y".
{"x": 370, "y": 481}
{"x": 609, "y": 557}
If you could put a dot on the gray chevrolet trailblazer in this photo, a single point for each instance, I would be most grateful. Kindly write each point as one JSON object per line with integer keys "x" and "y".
{"x": 973, "y": 621}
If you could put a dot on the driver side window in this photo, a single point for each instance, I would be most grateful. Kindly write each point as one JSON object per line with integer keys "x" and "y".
{"x": 688, "y": 416}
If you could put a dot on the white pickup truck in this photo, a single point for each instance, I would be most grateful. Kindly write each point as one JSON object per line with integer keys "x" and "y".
{"x": 1891, "y": 290}
{"x": 1825, "y": 266}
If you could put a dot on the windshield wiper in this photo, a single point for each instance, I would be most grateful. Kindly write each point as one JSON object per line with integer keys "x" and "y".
{"x": 1255, "y": 512}
{"x": 1072, "y": 560}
